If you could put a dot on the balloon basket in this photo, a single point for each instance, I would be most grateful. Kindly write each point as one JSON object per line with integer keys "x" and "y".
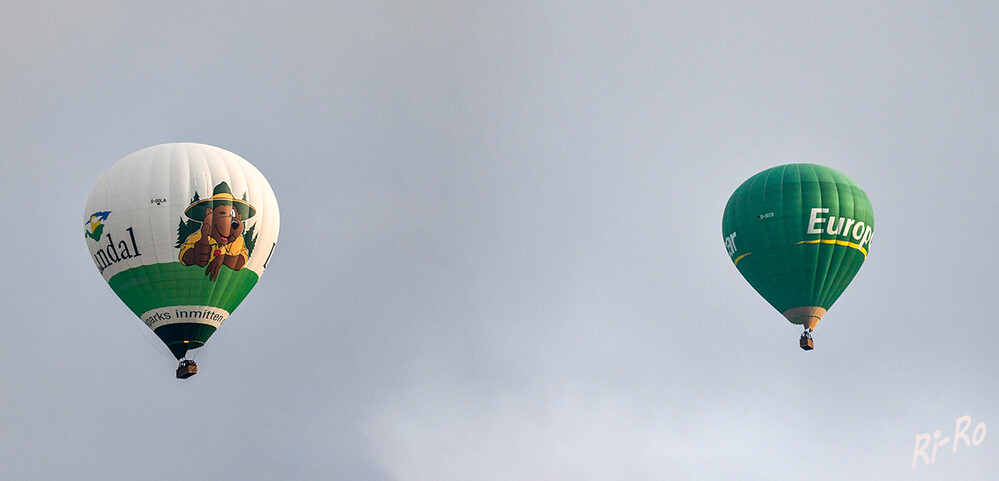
{"x": 186, "y": 369}
{"x": 804, "y": 342}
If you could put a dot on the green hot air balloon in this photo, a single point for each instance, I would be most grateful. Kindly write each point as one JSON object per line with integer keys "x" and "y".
{"x": 799, "y": 233}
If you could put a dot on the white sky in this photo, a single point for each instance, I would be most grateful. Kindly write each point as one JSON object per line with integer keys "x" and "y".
{"x": 501, "y": 253}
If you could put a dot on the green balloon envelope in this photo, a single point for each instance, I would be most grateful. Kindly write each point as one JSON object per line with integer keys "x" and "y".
{"x": 799, "y": 234}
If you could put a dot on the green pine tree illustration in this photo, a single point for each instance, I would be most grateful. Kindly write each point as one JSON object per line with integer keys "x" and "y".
{"x": 185, "y": 229}
{"x": 250, "y": 239}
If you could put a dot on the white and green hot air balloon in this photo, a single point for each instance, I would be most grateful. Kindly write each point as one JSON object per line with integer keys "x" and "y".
{"x": 182, "y": 232}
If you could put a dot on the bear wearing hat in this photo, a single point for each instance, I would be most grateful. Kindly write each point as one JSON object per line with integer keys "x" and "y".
{"x": 220, "y": 240}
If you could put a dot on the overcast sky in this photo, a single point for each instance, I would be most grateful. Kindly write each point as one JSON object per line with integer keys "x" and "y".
{"x": 501, "y": 253}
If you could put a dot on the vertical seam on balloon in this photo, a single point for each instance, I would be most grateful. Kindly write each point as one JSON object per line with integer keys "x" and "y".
{"x": 856, "y": 262}
{"x": 827, "y": 285}
{"x": 815, "y": 287}
{"x": 165, "y": 215}
{"x": 185, "y": 166}
{"x": 185, "y": 152}
{"x": 789, "y": 234}
{"x": 200, "y": 156}
{"x": 221, "y": 292}
{"x": 820, "y": 248}
{"x": 781, "y": 203}
{"x": 179, "y": 332}
{"x": 148, "y": 287}
{"x": 753, "y": 278}
{"x": 208, "y": 158}
{"x": 831, "y": 286}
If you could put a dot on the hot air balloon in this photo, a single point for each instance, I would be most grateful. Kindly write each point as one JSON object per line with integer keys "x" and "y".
{"x": 181, "y": 232}
{"x": 799, "y": 233}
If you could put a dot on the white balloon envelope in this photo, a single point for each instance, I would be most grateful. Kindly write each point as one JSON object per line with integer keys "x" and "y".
{"x": 182, "y": 232}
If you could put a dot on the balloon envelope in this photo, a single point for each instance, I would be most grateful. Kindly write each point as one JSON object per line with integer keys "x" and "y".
{"x": 799, "y": 233}
{"x": 181, "y": 232}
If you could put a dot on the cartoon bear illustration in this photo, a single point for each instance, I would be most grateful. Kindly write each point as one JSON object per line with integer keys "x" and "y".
{"x": 220, "y": 240}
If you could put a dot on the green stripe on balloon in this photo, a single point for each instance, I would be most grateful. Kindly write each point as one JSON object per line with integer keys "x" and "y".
{"x": 154, "y": 286}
